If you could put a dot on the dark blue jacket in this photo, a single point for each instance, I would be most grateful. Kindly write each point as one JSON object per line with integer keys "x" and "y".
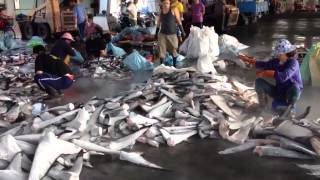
{"x": 286, "y": 75}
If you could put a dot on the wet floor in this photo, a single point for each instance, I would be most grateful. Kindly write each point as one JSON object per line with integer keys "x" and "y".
{"x": 198, "y": 159}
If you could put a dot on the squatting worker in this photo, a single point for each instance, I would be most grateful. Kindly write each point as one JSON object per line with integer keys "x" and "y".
{"x": 96, "y": 44}
{"x": 80, "y": 13}
{"x": 133, "y": 12}
{"x": 166, "y": 31}
{"x": 62, "y": 48}
{"x": 51, "y": 75}
{"x": 286, "y": 72}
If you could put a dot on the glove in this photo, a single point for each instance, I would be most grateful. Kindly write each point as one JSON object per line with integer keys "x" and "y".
{"x": 266, "y": 73}
{"x": 157, "y": 32}
{"x": 183, "y": 34}
{"x": 247, "y": 59}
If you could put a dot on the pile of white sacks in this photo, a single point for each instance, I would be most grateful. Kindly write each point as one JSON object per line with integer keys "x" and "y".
{"x": 206, "y": 46}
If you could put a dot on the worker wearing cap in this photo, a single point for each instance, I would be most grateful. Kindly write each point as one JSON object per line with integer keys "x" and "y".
{"x": 51, "y": 75}
{"x": 62, "y": 48}
{"x": 286, "y": 72}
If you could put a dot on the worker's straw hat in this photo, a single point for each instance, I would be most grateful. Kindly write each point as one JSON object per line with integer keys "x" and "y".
{"x": 283, "y": 46}
{"x": 67, "y": 36}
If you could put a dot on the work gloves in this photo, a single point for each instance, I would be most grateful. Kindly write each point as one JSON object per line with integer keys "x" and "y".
{"x": 266, "y": 73}
{"x": 157, "y": 33}
{"x": 252, "y": 61}
{"x": 247, "y": 59}
{"x": 183, "y": 33}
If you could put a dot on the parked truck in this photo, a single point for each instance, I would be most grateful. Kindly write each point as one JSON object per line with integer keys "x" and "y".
{"x": 48, "y": 17}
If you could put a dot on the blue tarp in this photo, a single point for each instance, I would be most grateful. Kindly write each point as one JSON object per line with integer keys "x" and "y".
{"x": 134, "y": 32}
{"x": 7, "y": 41}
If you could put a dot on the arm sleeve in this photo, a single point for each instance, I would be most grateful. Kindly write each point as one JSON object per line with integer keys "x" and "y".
{"x": 289, "y": 71}
{"x": 270, "y": 65}
{"x": 180, "y": 7}
{"x": 69, "y": 50}
{"x": 38, "y": 64}
{"x": 102, "y": 45}
{"x": 64, "y": 68}
{"x": 75, "y": 11}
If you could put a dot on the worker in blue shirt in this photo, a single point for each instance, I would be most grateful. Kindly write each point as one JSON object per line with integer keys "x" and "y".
{"x": 80, "y": 13}
{"x": 286, "y": 72}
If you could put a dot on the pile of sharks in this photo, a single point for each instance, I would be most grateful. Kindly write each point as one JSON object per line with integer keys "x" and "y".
{"x": 171, "y": 107}
{"x": 111, "y": 67}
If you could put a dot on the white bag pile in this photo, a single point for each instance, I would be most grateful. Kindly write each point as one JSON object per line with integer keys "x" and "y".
{"x": 202, "y": 44}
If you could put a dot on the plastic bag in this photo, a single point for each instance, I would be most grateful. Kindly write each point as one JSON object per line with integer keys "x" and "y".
{"x": 2, "y": 45}
{"x": 34, "y": 41}
{"x": 231, "y": 44}
{"x": 136, "y": 62}
{"x": 9, "y": 41}
{"x": 169, "y": 59}
{"x": 194, "y": 43}
{"x": 116, "y": 51}
{"x": 200, "y": 42}
{"x": 305, "y": 66}
{"x": 213, "y": 38}
{"x": 229, "y": 49}
{"x": 205, "y": 64}
{"x": 184, "y": 46}
{"x": 203, "y": 42}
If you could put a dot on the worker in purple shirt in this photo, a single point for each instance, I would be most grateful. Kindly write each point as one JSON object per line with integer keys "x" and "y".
{"x": 80, "y": 13}
{"x": 198, "y": 10}
{"x": 286, "y": 72}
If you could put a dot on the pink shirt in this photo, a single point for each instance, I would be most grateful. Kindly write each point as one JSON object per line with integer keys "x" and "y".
{"x": 197, "y": 11}
{"x": 90, "y": 29}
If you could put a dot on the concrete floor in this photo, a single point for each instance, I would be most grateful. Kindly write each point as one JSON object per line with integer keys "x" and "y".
{"x": 198, "y": 159}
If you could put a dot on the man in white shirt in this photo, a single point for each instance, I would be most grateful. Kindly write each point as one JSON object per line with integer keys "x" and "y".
{"x": 133, "y": 12}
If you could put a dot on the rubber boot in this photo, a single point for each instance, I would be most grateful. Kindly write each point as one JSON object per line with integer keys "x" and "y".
{"x": 174, "y": 61}
{"x": 161, "y": 61}
{"x": 51, "y": 91}
{"x": 263, "y": 100}
{"x": 60, "y": 92}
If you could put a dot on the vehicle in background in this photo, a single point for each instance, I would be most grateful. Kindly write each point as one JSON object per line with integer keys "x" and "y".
{"x": 48, "y": 17}
{"x": 251, "y": 11}
{"x": 219, "y": 13}
{"x": 6, "y": 22}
